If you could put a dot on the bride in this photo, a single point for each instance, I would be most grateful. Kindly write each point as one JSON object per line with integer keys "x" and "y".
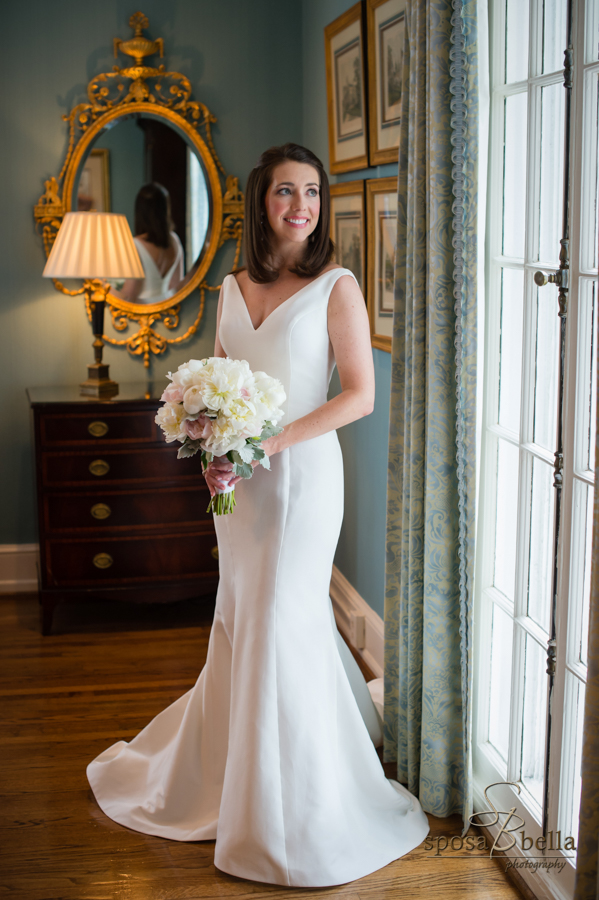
{"x": 269, "y": 754}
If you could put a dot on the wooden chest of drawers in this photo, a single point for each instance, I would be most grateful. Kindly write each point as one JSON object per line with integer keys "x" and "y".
{"x": 120, "y": 517}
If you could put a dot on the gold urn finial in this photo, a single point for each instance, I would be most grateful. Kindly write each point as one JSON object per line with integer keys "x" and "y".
{"x": 139, "y": 46}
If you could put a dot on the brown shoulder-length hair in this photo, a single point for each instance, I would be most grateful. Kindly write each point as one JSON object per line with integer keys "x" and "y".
{"x": 153, "y": 214}
{"x": 257, "y": 248}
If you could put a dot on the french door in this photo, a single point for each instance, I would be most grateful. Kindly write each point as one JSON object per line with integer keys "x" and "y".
{"x": 538, "y": 433}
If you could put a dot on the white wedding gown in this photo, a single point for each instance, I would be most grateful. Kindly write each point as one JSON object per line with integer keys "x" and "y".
{"x": 269, "y": 753}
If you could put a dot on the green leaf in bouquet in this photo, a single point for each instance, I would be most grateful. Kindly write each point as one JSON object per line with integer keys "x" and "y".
{"x": 265, "y": 461}
{"x": 234, "y": 457}
{"x": 188, "y": 448}
{"x": 245, "y": 470}
{"x": 269, "y": 430}
{"x": 259, "y": 453}
{"x": 247, "y": 453}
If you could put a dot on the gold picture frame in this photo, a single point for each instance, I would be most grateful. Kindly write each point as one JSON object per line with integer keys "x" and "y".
{"x": 381, "y": 226}
{"x": 346, "y": 92}
{"x": 385, "y": 29}
{"x": 93, "y": 193}
{"x": 348, "y": 228}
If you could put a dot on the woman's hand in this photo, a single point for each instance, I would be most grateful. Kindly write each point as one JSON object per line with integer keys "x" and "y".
{"x": 219, "y": 472}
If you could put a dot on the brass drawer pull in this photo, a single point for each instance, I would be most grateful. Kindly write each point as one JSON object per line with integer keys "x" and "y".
{"x": 103, "y": 560}
{"x": 214, "y": 553}
{"x": 97, "y": 429}
{"x": 99, "y": 467}
{"x": 100, "y": 511}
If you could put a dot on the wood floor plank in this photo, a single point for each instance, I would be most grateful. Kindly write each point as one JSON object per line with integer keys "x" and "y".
{"x": 105, "y": 673}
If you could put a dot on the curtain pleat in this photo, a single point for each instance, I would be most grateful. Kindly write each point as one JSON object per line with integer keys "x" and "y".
{"x": 430, "y": 504}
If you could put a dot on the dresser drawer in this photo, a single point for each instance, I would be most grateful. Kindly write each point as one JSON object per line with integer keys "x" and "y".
{"x": 105, "y": 510}
{"x": 127, "y": 560}
{"x": 114, "y": 467}
{"x": 99, "y": 428}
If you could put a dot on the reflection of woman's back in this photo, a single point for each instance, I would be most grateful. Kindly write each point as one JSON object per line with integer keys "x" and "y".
{"x": 159, "y": 248}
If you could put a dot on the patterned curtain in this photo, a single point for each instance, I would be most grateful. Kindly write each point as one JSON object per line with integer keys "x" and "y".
{"x": 432, "y": 465}
{"x": 587, "y": 868}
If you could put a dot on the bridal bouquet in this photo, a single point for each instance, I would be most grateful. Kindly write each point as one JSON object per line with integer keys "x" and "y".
{"x": 221, "y": 408}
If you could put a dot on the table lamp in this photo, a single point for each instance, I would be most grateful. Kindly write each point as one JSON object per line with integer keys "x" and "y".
{"x": 95, "y": 246}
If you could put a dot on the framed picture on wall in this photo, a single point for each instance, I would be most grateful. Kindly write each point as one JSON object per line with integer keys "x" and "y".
{"x": 385, "y": 26}
{"x": 381, "y": 219}
{"x": 346, "y": 95}
{"x": 348, "y": 228}
{"x": 93, "y": 194}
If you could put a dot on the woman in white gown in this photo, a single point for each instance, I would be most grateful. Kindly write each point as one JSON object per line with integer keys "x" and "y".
{"x": 159, "y": 248}
{"x": 269, "y": 753}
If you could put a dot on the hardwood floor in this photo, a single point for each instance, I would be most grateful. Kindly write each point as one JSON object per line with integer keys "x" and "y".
{"x": 101, "y": 676}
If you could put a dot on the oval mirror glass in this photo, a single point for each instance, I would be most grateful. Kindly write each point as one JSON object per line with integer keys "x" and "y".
{"x": 133, "y": 151}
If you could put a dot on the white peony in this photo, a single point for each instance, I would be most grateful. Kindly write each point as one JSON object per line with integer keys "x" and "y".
{"x": 269, "y": 396}
{"x": 224, "y": 382}
{"x": 224, "y": 437}
{"x": 170, "y": 418}
{"x": 193, "y": 400}
{"x": 189, "y": 373}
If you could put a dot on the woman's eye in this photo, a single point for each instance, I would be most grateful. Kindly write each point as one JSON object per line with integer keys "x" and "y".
{"x": 313, "y": 192}
{"x": 284, "y": 191}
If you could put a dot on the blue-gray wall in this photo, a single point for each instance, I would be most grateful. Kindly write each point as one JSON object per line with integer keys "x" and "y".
{"x": 259, "y": 66}
{"x": 361, "y": 551}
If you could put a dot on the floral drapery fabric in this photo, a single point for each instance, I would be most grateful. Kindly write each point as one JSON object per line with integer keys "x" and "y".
{"x": 432, "y": 466}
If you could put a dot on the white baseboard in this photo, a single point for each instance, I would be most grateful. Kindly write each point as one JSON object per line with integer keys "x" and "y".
{"x": 18, "y": 568}
{"x": 358, "y": 622}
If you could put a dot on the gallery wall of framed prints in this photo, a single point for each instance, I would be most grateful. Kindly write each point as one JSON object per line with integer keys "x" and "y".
{"x": 364, "y": 61}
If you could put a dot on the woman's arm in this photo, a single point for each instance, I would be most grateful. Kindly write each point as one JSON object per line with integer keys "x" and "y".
{"x": 349, "y": 331}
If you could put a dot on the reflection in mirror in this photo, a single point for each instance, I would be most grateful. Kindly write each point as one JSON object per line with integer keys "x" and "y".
{"x": 137, "y": 151}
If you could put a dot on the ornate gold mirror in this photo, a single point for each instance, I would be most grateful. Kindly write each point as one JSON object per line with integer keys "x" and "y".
{"x": 139, "y": 125}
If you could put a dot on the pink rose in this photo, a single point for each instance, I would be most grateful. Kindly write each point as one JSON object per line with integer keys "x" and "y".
{"x": 198, "y": 429}
{"x": 173, "y": 394}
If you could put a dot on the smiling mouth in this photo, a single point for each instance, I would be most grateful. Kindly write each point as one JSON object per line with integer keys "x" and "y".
{"x": 297, "y": 223}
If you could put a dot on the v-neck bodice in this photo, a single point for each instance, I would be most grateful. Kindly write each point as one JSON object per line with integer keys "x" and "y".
{"x": 291, "y": 344}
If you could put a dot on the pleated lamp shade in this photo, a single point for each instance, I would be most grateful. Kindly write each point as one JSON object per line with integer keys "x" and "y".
{"x": 94, "y": 245}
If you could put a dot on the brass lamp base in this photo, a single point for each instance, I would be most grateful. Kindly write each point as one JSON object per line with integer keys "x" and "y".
{"x": 98, "y": 383}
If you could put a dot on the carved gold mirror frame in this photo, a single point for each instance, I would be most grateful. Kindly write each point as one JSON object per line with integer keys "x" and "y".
{"x": 158, "y": 94}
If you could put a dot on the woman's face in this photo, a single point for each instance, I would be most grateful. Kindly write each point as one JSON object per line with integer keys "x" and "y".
{"x": 292, "y": 202}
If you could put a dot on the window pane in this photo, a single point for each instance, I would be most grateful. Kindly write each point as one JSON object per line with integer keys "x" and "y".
{"x": 514, "y": 174}
{"x": 554, "y": 34}
{"x": 586, "y": 376}
{"x": 516, "y": 40}
{"x": 541, "y": 555}
{"x": 501, "y": 668}
{"x": 552, "y": 173}
{"x": 507, "y": 518}
{"x": 546, "y": 368}
{"x": 580, "y": 569}
{"x": 534, "y": 719}
{"x": 570, "y": 781}
{"x": 510, "y": 375}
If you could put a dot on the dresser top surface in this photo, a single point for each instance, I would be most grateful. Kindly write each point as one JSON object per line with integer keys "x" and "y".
{"x": 136, "y": 391}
